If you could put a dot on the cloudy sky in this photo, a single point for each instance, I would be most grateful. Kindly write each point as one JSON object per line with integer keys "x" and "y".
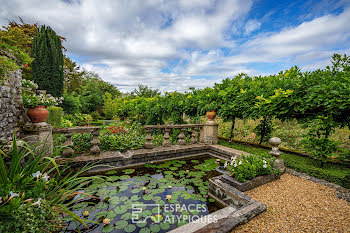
{"x": 176, "y": 44}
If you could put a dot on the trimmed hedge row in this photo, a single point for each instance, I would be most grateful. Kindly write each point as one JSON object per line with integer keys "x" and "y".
{"x": 334, "y": 173}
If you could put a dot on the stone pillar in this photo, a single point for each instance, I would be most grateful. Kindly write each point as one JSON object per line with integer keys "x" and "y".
{"x": 39, "y": 133}
{"x": 209, "y": 133}
{"x": 166, "y": 142}
{"x": 279, "y": 163}
{"x": 181, "y": 138}
{"x": 148, "y": 143}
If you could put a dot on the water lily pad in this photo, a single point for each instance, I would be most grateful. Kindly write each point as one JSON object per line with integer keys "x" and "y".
{"x": 156, "y": 210}
{"x": 101, "y": 205}
{"x": 100, "y": 214}
{"x": 124, "y": 198}
{"x": 137, "y": 190}
{"x": 145, "y": 230}
{"x": 135, "y": 198}
{"x": 124, "y": 177}
{"x": 156, "y": 198}
{"x": 80, "y": 206}
{"x": 114, "y": 200}
{"x": 130, "y": 228}
{"x": 173, "y": 168}
{"x": 121, "y": 224}
{"x": 111, "y": 214}
{"x": 146, "y": 213}
{"x": 126, "y": 216}
{"x": 120, "y": 209}
{"x": 111, "y": 172}
{"x": 128, "y": 171}
{"x": 141, "y": 224}
{"x": 147, "y": 197}
{"x": 108, "y": 228}
{"x": 164, "y": 226}
{"x": 155, "y": 228}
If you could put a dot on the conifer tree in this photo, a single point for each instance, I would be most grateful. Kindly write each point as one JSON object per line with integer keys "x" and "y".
{"x": 48, "y": 61}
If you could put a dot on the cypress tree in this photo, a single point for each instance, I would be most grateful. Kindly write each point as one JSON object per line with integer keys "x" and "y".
{"x": 47, "y": 67}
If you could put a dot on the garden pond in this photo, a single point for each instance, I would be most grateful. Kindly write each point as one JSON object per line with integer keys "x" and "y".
{"x": 156, "y": 197}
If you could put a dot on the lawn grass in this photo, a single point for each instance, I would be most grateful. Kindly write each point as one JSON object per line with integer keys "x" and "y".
{"x": 334, "y": 173}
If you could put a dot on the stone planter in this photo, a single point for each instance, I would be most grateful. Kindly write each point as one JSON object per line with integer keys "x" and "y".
{"x": 38, "y": 114}
{"x": 249, "y": 184}
{"x": 222, "y": 170}
{"x": 211, "y": 115}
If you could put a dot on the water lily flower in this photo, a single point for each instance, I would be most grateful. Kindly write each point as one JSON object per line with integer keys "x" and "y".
{"x": 264, "y": 166}
{"x": 36, "y": 174}
{"x": 168, "y": 197}
{"x": 169, "y": 187}
{"x": 86, "y": 213}
{"x": 187, "y": 171}
{"x": 38, "y": 202}
{"x": 106, "y": 221}
{"x": 46, "y": 177}
{"x": 144, "y": 188}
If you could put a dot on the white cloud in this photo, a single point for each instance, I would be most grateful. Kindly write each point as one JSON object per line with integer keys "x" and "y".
{"x": 251, "y": 25}
{"x": 132, "y": 42}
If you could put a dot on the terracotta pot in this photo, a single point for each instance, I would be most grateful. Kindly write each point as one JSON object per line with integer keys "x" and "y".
{"x": 211, "y": 115}
{"x": 38, "y": 114}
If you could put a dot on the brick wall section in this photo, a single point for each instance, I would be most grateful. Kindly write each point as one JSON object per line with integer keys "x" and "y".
{"x": 12, "y": 113}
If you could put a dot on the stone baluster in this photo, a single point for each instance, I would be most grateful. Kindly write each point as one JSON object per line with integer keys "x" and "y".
{"x": 95, "y": 149}
{"x": 68, "y": 151}
{"x": 166, "y": 142}
{"x": 181, "y": 137}
{"x": 194, "y": 139}
{"x": 148, "y": 143}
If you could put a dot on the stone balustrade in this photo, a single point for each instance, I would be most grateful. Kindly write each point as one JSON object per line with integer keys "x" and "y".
{"x": 68, "y": 132}
{"x": 193, "y": 128}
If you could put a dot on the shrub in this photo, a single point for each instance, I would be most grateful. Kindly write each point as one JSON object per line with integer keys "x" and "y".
{"x": 95, "y": 116}
{"x": 82, "y": 142}
{"x": 55, "y": 116}
{"x": 79, "y": 119}
{"x": 70, "y": 104}
{"x": 121, "y": 138}
{"x": 34, "y": 193}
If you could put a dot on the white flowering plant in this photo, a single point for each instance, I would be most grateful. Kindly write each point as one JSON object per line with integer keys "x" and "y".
{"x": 250, "y": 166}
{"x": 31, "y": 100}
{"x": 29, "y": 83}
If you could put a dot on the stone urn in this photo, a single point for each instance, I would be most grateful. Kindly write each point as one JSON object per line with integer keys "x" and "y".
{"x": 211, "y": 115}
{"x": 38, "y": 114}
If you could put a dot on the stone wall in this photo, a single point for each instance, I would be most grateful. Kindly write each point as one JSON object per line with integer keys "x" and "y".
{"x": 12, "y": 113}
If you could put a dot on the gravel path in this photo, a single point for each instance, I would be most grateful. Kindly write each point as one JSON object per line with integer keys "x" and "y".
{"x": 298, "y": 205}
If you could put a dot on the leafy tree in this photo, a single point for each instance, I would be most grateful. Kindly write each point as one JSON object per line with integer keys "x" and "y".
{"x": 145, "y": 91}
{"x": 48, "y": 61}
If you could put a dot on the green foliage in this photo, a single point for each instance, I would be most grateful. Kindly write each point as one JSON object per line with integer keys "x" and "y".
{"x": 48, "y": 61}
{"x": 331, "y": 172}
{"x": 82, "y": 142}
{"x": 55, "y": 116}
{"x": 31, "y": 218}
{"x": 121, "y": 138}
{"x": 145, "y": 91}
{"x": 249, "y": 167}
{"x": 78, "y": 119}
{"x": 70, "y": 104}
{"x": 317, "y": 139}
{"x": 28, "y": 179}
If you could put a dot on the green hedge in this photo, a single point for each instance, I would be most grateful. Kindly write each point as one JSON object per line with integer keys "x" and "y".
{"x": 334, "y": 173}
{"x": 55, "y": 116}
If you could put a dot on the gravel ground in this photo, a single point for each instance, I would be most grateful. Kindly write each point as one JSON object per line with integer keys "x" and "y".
{"x": 298, "y": 205}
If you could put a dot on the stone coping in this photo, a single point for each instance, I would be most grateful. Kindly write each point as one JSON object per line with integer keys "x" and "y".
{"x": 142, "y": 156}
{"x": 249, "y": 184}
{"x": 184, "y": 126}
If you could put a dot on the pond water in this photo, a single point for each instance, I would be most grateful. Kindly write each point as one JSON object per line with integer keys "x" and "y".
{"x": 157, "y": 197}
